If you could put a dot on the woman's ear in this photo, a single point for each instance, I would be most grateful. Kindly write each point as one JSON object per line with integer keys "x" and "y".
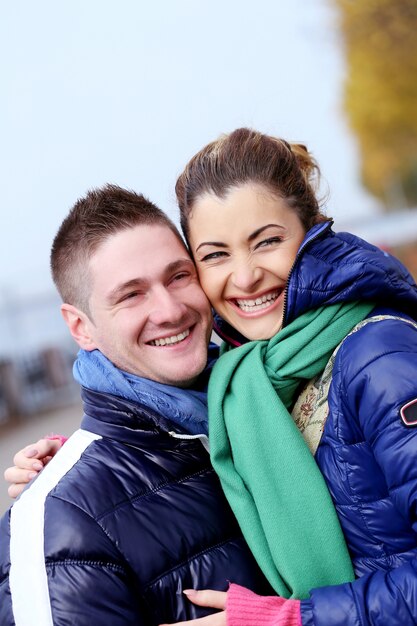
{"x": 79, "y": 326}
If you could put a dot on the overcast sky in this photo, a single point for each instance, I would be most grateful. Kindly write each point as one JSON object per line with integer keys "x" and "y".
{"x": 100, "y": 91}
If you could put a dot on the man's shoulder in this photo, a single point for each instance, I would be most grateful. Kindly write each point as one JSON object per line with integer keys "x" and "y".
{"x": 94, "y": 481}
{"x": 99, "y": 474}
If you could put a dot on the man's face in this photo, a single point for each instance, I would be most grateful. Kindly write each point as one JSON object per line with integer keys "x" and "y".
{"x": 149, "y": 315}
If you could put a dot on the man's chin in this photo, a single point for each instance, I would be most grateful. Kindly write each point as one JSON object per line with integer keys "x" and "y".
{"x": 185, "y": 384}
{"x": 186, "y": 376}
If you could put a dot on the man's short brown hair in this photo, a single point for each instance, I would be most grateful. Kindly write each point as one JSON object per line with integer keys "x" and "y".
{"x": 102, "y": 212}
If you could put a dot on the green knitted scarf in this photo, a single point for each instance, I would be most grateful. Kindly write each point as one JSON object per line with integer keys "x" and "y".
{"x": 268, "y": 474}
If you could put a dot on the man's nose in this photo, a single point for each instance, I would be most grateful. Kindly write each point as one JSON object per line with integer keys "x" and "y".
{"x": 166, "y": 307}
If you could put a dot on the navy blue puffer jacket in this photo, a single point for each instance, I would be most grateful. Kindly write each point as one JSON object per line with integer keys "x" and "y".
{"x": 123, "y": 519}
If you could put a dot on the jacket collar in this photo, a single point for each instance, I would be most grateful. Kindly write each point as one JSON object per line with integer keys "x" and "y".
{"x": 124, "y": 420}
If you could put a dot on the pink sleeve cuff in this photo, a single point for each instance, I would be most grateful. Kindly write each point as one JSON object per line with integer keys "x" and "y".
{"x": 245, "y": 608}
{"x": 60, "y": 438}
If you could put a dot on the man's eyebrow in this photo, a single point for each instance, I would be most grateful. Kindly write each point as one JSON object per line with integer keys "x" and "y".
{"x": 179, "y": 264}
{"x": 252, "y": 236}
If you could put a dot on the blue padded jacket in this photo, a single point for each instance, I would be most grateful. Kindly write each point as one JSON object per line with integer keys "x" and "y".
{"x": 367, "y": 454}
{"x": 126, "y": 516}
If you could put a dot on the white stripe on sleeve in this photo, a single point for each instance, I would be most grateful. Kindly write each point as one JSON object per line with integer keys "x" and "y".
{"x": 28, "y": 579}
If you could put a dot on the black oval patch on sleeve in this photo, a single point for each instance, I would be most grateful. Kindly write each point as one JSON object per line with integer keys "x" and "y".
{"x": 409, "y": 413}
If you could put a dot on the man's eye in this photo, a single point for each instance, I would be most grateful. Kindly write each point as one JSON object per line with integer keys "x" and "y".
{"x": 181, "y": 279}
{"x": 213, "y": 256}
{"x": 181, "y": 276}
{"x": 130, "y": 295}
{"x": 268, "y": 242}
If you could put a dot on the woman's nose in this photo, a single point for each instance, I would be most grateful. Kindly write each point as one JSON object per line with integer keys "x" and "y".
{"x": 246, "y": 276}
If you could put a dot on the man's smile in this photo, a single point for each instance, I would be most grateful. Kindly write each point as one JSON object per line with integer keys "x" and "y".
{"x": 172, "y": 339}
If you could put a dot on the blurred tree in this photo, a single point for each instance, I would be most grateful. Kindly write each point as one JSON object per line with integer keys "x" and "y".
{"x": 381, "y": 93}
{"x": 407, "y": 253}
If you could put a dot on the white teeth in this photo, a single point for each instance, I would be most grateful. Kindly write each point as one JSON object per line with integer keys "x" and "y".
{"x": 260, "y": 303}
{"x": 170, "y": 340}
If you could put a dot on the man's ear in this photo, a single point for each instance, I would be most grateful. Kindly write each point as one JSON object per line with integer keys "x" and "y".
{"x": 79, "y": 326}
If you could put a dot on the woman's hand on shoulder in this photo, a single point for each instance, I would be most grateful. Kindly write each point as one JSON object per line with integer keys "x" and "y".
{"x": 28, "y": 462}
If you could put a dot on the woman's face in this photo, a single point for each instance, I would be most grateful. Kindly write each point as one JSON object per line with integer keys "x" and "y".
{"x": 244, "y": 247}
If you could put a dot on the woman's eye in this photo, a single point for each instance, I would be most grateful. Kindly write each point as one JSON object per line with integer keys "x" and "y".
{"x": 268, "y": 242}
{"x": 213, "y": 256}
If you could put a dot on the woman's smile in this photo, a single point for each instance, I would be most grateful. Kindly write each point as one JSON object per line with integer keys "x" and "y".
{"x": 257, "y": 303}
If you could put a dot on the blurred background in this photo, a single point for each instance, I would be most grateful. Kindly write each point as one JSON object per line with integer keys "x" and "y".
{"x": 98, "y": 91}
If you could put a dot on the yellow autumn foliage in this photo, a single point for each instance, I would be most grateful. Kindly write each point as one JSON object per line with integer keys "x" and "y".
{"x": 380, "y": 39}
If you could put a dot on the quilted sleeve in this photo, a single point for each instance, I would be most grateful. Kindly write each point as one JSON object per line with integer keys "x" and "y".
{"x": 72, "y": 574}
{"x": 379, "y": 380}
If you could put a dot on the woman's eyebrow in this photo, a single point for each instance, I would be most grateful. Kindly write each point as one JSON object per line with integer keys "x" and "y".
{"x": 260, "y": 230}
{"x": 254, "y": 235}
{"x": 218, "y": 244}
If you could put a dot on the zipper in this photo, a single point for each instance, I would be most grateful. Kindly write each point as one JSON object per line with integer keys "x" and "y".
{"x": 301, "y": 250}
{"x": 203, "y": 438}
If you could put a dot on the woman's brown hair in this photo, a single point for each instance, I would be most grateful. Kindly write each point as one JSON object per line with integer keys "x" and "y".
{"x": 247, "y": 156}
